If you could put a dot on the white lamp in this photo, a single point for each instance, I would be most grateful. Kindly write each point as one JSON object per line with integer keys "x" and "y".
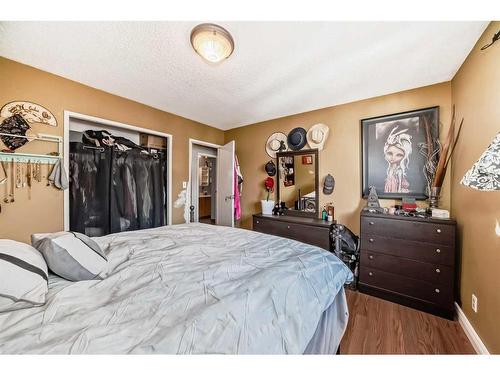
{"x": 485, "y": 173}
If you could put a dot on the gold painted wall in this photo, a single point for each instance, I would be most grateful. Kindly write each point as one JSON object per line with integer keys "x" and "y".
{"x": 476, "y": 94}
{"x": 44, "y": 212}
{"x": 341, "y": 155}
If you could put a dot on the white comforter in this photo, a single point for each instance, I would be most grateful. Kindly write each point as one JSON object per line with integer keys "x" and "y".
{"x": 191, "y": 288}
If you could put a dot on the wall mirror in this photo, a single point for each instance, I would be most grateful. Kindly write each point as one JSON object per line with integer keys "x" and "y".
{"x": 297, "y": 182}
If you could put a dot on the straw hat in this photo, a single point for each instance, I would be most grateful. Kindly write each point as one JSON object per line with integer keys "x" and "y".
{"x": 317, "y": 135}
{"x": 275, "y": 143}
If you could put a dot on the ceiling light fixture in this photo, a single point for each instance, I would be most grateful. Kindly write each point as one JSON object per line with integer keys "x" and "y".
{"x": 212, "y": 42}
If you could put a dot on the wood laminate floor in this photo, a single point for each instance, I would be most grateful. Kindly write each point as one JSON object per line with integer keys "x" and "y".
{"x": 377, "y": 326}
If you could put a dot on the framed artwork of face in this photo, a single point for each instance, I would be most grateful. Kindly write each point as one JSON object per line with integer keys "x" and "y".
{"x": 394, "y": 153}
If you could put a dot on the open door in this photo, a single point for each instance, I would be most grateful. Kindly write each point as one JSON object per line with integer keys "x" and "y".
{"x": 225, "y": 185}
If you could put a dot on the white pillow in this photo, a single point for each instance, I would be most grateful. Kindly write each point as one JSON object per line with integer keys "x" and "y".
{"x": 23, "y": 276}
{"x": 71, "y": 255}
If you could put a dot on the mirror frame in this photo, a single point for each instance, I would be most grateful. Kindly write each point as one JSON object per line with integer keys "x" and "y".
{"x": 316, "y": 177}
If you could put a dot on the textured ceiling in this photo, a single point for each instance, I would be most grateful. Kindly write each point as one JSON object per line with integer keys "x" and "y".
{"x": 277, "y": 69}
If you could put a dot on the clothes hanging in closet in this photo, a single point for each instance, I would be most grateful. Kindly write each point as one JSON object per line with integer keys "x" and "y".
{"x": 114, "y": 191}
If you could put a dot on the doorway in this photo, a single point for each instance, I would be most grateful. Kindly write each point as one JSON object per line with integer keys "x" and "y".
{"x": 211, "y": 182}
{"x": 207, "y": 182}
{"x": 203, "y": 178}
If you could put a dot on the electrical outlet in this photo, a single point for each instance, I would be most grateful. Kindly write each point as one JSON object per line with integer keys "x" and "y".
{"x": 474, "y": 303}
{"x": 184, "y": 184}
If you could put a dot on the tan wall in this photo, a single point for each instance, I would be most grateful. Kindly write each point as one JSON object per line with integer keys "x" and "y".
{"x": 476, "y": 94}
{"x": 341, "y": 155}
{"x": 44, "y": 212}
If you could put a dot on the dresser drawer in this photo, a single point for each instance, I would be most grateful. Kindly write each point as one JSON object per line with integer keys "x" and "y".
{"x": 442, "y": 296}
{"x": 409, "y": 230}
{"x": 441, "y": 275}
{"x": 313, "y": 235}
{"x": 422, "y": 251}
{"x": 268, "y": 226}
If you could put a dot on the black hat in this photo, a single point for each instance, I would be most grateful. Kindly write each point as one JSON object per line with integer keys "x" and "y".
{"x": 270, "y": 168}
{"x": 328, "y": 185}
{"x": 297, "y": 139}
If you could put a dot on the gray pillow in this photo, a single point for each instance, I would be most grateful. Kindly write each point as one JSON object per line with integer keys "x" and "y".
{"x": 23, "y": 276}
{"x": 71, "y": 255}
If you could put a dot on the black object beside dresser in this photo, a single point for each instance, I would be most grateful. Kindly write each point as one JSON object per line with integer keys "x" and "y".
{"x": 304, "y": 229}
{"x": 410, "y": 261}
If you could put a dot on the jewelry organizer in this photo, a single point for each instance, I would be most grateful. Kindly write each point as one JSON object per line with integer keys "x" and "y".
{"x": 21, "y": 170}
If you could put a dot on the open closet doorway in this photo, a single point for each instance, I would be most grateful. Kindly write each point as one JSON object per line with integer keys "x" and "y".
{"x": 120, "y": 176}
{"x": 211, "y": 184}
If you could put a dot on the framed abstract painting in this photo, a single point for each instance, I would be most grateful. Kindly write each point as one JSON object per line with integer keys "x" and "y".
{"x": 396, "y": 150}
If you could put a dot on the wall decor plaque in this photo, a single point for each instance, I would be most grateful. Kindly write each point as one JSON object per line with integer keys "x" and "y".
{"x": 31, "y": 112}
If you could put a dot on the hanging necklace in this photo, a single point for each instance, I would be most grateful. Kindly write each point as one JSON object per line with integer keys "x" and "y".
{"x": 48, "y": 174}
{"x": 19, "y": 176}
{"x": 28, "y": 178}
{"x": 6, "y": 191}
{"x": 13, "y": 177}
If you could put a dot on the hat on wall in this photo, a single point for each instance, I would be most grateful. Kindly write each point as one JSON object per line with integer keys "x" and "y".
{"x": 317, "y": 135}
{"x": 270, "y": 168}
{"x": 275, "y": 143}
{"x": 328, "y": 184}
{"x": 297, "y": 139}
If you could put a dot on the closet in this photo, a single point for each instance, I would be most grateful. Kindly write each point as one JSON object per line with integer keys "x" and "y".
{"x": 115, "y": 188}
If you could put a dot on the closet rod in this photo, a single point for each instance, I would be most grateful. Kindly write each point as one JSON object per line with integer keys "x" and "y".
{"x": 100, "y": 149}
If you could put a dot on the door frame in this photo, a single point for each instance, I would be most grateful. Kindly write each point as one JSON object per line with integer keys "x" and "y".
{"x": 198, "y": 142}
{"x": 69, "y": 115}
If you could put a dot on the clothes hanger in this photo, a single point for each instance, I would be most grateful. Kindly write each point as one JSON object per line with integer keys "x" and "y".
{"x": 493, "y": 40}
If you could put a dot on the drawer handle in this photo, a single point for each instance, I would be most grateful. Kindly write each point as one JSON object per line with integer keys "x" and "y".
{"x": 438, "y": 270}
{"x": 288, "y": 227}
{"x": 257, "y": 221}
{"x": 437, "y": 290}
{"x": 371, "y": 240}
{"x": 438, "y": 230}
{"x": 371, "y": 223}
{"x": 370, "y": 256}
{"x": 438, "y": 251}
{"x": 370, "y": 273}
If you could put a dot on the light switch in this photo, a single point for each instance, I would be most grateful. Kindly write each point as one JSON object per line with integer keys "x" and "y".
{"x": 184, "y": 184}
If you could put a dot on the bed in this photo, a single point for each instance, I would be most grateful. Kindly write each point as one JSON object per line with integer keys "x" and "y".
{"x": 191, "y": 289}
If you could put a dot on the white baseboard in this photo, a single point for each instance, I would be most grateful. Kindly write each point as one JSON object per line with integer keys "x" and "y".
{"x": 472, "y": 335}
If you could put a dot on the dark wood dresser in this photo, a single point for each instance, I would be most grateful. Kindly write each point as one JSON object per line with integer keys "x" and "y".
{"x": 410, "y": 261}
{"x": 304, "y": 229}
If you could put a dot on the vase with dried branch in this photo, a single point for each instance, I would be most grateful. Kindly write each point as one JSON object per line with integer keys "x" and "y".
{"x": 430, "y": 150}
{"x": 444, "y": 157}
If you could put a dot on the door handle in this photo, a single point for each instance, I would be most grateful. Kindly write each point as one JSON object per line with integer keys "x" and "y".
{"x": 229, "y": 197}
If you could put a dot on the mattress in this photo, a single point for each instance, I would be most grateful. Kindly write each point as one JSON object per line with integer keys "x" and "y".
{"x": 191, "y": 289}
